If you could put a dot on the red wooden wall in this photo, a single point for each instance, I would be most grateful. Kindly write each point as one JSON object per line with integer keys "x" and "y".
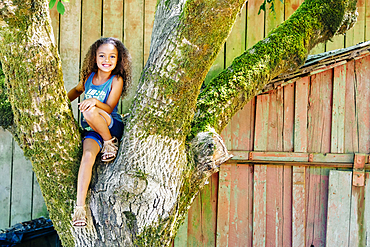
{"x": 277, "y": 204}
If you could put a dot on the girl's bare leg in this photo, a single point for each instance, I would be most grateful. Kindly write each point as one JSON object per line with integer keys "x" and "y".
{"x": 90, "y": 150}
{"x": 99, "y": 121}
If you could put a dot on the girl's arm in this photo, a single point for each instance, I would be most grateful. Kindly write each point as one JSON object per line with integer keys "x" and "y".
{"x": 74, "y": 93}
{"x": 112, "y": 101}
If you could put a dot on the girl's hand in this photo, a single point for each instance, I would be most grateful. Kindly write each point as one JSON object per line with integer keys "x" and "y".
{"x": 87, "y": 104}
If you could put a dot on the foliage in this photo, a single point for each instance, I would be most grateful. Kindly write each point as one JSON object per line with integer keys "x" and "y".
{"x": 60, "y": 7}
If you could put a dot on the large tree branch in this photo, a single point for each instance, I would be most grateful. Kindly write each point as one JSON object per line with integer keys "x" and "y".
{"x": 284, "y": 50}
{"x": 45, "y": 128}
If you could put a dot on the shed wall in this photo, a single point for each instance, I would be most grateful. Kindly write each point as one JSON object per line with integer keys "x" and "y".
{"x": 307, "y": 116}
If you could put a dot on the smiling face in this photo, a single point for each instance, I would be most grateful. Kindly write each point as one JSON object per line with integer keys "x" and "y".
{"x": 106, "y": 57}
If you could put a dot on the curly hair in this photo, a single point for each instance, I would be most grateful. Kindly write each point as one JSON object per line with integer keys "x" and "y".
{"x": 122, "y": 69}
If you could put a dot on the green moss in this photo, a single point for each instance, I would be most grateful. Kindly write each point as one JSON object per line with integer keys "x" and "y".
{"x": 284, "y": 50}
{"x": 6, "y": 113}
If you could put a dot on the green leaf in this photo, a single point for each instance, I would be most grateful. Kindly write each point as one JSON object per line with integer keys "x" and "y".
{"x": 52, "y": 3}
{"x": 60, "y": 8}
{"x": 67, "y": 1}
{"x": 262, "y": 7}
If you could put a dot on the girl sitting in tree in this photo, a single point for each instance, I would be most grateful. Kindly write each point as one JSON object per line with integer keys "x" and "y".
{"x": 105, "y": 77}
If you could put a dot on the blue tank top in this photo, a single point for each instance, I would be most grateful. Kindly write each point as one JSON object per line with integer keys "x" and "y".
{"x": 101, "y": 93}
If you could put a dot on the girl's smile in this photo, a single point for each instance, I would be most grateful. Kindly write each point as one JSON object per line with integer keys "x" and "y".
{"x": 106, "y": 57}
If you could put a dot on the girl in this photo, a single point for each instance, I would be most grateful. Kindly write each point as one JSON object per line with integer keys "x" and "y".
{"x": 105, "y": 76}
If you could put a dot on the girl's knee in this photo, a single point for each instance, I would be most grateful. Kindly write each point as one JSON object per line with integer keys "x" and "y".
{"x": 90, "y": 114}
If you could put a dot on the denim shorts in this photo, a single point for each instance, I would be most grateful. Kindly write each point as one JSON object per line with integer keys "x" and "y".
{"x": 115, "y": 128}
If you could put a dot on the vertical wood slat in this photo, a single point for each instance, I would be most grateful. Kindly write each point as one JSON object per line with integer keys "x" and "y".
{"x": 254, "y": 20}
{"x": 113, "y": 19}
{"x": 21, "y": 202}
{"x": 356, "y": 234}
{"x": 6, "y": 147}
{"x": 350, "y": 124}
{"x": 202, "y": 216}
{"x": 300, "y": 145}
{"x": 291, "y": 6}
{"x": 319, "y": 126}
{"x": 274, "y": 174}
{"x": 181, "y": 239}
{"x": 367, "y": 209}
{"x": 38, "y": 204}
{"x": 54, "y": 16}
{"x": 223, "y": 210}
{"x": 235, "y": 44}
{"x": 339, "y": 92}
{"x": 133, "y": 40}
{"x": 242, "y": 128}
{"x": 260, "y": 171}
{"x": 362, "y": 99}
{"x": 339, "y": 208}
{"x": 272, "y": 20}
{"x": 235, "y": 226}
{"x": 69, "y": 46}
{"x": 288, "y": 145}
{"x": 148, "y": 25}
{"x": 91, "y": 28}
{"x": 357, "y": 33}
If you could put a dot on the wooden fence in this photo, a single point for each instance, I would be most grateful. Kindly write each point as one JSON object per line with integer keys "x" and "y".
{"x": 280, "y": 193}
{"x": 227, "y": 212}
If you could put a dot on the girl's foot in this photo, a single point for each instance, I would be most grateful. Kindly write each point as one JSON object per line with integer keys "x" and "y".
{"x": 79, "y": 217}
{"x": 109, "y": 150}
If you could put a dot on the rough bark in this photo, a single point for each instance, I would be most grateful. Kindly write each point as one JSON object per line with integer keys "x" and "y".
{"x": 44, "y": 125}
{"x": 164, "y": 159}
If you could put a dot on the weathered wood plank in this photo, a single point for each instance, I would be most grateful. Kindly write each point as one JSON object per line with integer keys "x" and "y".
{"x": 339, "y": 208}
{"x": 288, "y": 129}
{"x": 300, "y": 145}
{"x": 259, "y": 206}
{"x": 223, "y": 210}
{"x": 6, "y": 147}
{"x": 21, "y": 187}
{"x": 148, "y": 25}
{"x": 38, "y": 204}
{"x": 181, "y": 239}
{"x": 254, "y": 20}
{"x": 133, "y": 40}
{"x": 337, "y": 42}
{"x": 113, "y": 19}
{"x": 357, "y": 33}
{"x": 241, "y": 196}
{"x": 69, "y": 46}
{"x": 339, "y": 92}
{"x": 288, "y": 146}
{"x": 319, "y": 126}
{"x": 274, "y": 19}
{"x": 54, "y": 16}
{"x": 242, "y": 128}
{"x": 362, "y": 99}
{"x": 350, "y": 121}
{"x": 367, "y": 209}
{"x": 274, "y": 176}
{"x": 291, "y": 6}
{"x": 260, "y": 172}
{"x": 261, "y": 127}
{"x": 357, "y": 233}
{"x": 235, "y": 44}
{"x": 91, "y": 28}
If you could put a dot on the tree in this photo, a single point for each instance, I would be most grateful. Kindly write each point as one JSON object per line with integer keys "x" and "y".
{"x": 171, "y": 143}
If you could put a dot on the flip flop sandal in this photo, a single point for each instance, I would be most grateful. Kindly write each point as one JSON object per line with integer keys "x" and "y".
{"x": 109, "y": 150}
{"x": 79, "y": 217}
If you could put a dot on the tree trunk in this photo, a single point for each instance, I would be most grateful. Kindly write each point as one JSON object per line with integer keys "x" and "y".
{"x": 166, "y": 154}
